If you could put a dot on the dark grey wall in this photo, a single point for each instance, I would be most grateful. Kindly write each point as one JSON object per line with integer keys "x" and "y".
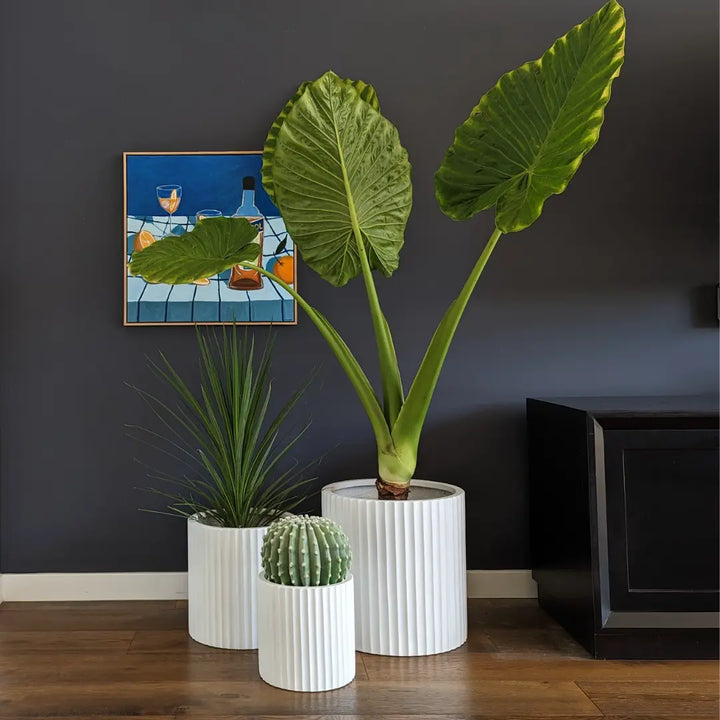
{"x": 602, "y": 296}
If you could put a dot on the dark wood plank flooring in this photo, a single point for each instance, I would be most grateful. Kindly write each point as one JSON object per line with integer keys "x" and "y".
{"x": 125, "y": 660}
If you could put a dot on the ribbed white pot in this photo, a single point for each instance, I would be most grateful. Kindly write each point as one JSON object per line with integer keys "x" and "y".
{"x": 223, "y": 565}
{"x": 306, "y": 638}
{"x": 409, "y": 565}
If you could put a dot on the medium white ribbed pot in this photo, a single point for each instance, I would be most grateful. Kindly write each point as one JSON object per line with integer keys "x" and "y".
{"x": 408, "y": 560}
{"x": 306, "y": 635}
{"x": 223, "y": 565}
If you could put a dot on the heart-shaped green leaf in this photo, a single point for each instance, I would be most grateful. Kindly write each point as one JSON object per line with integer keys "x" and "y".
{"x": 338, "y": 172}
{"x": 527, "y": 136}
{"x": 215, "y": 244}
{"x": 366, "y": 92}
{"x": 271, "y": 141}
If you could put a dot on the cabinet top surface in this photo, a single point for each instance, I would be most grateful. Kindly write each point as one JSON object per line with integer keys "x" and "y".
{"x": 641, "y": 406}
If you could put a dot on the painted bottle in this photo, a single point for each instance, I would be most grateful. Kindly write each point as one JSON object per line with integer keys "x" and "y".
{"x": 240, "y": 278}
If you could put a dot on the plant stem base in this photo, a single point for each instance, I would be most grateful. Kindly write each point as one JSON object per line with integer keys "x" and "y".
{"x": 386, "y": 491}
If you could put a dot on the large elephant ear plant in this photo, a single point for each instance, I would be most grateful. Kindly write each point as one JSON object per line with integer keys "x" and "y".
{"x": 336, "y": 170}
{"x": 341, "y": 179}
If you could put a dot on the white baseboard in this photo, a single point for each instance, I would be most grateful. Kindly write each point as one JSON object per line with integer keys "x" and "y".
{"x": 29, "y": 587}
{"x": 501, "y": 584}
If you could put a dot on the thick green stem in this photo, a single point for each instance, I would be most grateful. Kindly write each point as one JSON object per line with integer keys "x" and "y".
{"x": 407, "y": 429}
{"x": 396, "y": 469}
{"x": 389, "y": 371}
{"x": 397, "y": 450}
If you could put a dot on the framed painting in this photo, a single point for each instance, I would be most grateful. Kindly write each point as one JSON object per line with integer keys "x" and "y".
{"x": 167, "y": 194}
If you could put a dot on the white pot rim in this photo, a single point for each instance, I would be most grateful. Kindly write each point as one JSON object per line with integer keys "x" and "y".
{"x": 262, "y": 579}
{"x": 452, "y": 491}
{"x": 197, "y": 520}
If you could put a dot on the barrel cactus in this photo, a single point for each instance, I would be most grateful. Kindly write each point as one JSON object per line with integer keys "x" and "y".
{"x": 305, "y": 550}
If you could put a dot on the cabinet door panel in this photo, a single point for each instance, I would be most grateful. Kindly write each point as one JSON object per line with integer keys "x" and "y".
{"x": 662, "y": 515}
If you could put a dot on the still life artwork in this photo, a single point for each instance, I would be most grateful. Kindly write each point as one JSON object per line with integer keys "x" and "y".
{"x": 178, "y": 204}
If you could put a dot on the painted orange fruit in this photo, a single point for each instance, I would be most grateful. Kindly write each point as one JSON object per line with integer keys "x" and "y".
{"x": 284, "y": 268}
{"x": 142, "y": 240}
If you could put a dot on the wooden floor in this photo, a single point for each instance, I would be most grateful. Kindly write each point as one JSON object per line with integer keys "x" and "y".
{"x": 134, "y": 659}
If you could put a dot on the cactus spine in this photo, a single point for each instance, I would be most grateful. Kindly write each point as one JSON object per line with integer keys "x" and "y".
{"x": 305, "y": 550}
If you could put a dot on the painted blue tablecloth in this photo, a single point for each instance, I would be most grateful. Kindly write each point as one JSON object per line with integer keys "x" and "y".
{"x": 159, "y": 303}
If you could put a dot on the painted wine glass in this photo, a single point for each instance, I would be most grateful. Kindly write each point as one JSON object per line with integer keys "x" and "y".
{"x": 202, "y": 214}
{"x": 169, "y": 197}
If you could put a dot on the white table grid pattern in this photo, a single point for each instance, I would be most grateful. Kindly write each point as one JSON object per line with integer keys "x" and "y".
{"x": 216, "y": 302}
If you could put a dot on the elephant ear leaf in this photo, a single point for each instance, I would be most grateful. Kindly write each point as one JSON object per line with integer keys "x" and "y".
{"x": 527, "y": 136}
{"x": 271, "y": 141}
{"x": 215, "y": 244}
{"x": 340, "y": 177}
{"x": 366, "y": 92}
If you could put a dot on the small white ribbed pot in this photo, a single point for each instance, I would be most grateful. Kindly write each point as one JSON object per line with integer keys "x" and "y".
{"x": 223, "y": 565}
{"x": 408, "y": 560}
{"x": 306, "y": 636}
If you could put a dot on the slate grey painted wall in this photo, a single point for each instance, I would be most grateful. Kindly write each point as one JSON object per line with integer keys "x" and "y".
{"x": 606, "y": 294}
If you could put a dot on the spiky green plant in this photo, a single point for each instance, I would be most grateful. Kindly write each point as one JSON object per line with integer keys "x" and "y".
{"x": 224, "y": 436}
{"x": 305, "y": 550}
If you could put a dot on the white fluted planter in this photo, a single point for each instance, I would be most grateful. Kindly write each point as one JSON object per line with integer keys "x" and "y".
{"x": 408, "y": 563}
{"x": 306, "y": 635}
{"x": 223, "y": 565}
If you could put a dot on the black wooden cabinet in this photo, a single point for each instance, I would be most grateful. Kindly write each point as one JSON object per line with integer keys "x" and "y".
{"x": 625, "y": 530}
